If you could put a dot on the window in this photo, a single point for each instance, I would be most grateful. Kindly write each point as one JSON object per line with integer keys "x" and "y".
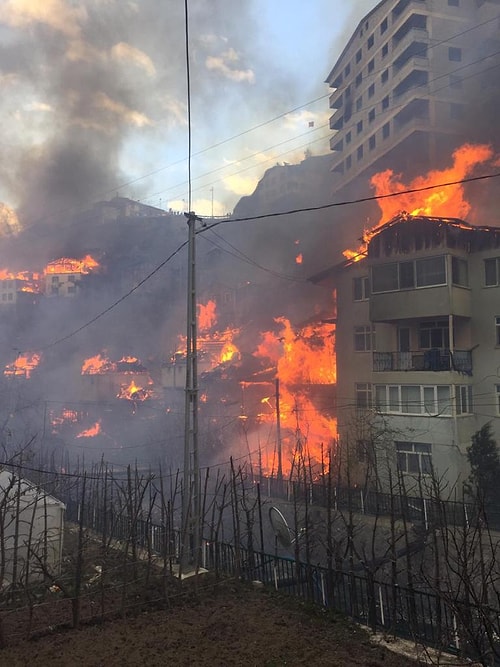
{"x": 363, "y": 395}
{"x": 455, "y": 54}
{"x": 71, "y": 289}
{"x": 386, "y": 130}
{"x": 361, "y": 288}
{"x": 359, "y": 152}
{"x": 497, "y": 329}
{"x": 414, "y": 457}
{"x": 371, "y": 90}
{"x": 371, "y": 116}
{"x": 359, "y": 127}
{"x": 371, "y": 142}
{"x": 358, "y": 79}
{"x": 370, "y": 41}
{"x": 414, "y": 399}
{"x": 497, "y": 389}
{"x": 459, "y": 272}
{"x": 492, "y": 272}
{"x": 4, "y": 297}
{"x": 463, "y": 399}
{"x": 348, "y": 137}
{"x": 385, "y": 50}
{"x": 385, "y": 102}
{"x": 434, "y": 334}
{"x": 359, "y": 103}
{"x": 55, "y": 279}
{"x": 453, "y": 3}
{"x": 383, "y": 26}
{"x": 384, "y": 77}
{"x": 426, "y": 272}
{"x": 348, "y": 162}
{"x": 363, "y": 338}
{"x": 430, "y": 271}
{"x": 455, "y": 82}
{"x": 347, "y": 70}
{"x": 358, "y": 56}
{"x": 371, "y": 66}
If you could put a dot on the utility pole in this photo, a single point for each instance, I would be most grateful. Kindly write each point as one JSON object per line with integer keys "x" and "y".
{"x": 278, "y": 432}
{"x": 191, "y": 519}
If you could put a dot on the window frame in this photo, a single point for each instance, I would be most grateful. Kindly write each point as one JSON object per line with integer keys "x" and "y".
{"x": 417, "y": 457}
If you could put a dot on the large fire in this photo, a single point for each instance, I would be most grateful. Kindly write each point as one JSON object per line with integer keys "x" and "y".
{"x": 23, "y": 365}
{"x": 133, "y": 392}
{"x": 448, "y": 201}
{"x": 68, "y": 265}
{"x": 302, "y": 359}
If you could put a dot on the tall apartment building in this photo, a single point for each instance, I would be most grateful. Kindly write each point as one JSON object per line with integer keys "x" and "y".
{"x": 416, "y": 79}
{"x": 418, "y": 345}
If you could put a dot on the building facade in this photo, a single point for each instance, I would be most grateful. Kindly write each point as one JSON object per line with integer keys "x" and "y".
{"x": 418, "y": 346}
{"x": 412, "y": 84}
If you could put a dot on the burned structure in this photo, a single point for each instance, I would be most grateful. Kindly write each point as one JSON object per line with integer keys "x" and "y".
{"x": 418, "y": 346}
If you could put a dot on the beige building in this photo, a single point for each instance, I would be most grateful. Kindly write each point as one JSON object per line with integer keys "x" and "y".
{"x": 418, "y": 345}
{"x": 416, "y": 79}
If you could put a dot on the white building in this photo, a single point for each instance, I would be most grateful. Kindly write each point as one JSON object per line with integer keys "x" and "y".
{"x": 411, "y": 84}
{"x": 418, "y": 345}
{"x": 32, "y": 524}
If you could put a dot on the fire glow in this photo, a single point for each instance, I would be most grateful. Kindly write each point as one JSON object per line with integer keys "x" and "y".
{"x": 447, "y": 201}
{"x": 23, "y": 365}
{"x": 91, "y": 432}
{"x": 68, "y": 265}
{"x": 302, "y": 359}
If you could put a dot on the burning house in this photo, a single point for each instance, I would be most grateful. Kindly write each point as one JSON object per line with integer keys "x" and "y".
{"x": 418, "y": 341}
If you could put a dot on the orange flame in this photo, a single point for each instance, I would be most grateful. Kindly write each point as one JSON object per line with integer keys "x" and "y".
{"x": 207, "y": 317}
{"x": 97, "y": 365}
{"x": 91, "y": 432}
{"x": 133, "y": 392}
{"x": 69, "y": 265}
{"x": 448, "y": 201}
{"x": 302, "y": 359}
{"x": 23, "y": 365}
{"x": 299, "y": 258}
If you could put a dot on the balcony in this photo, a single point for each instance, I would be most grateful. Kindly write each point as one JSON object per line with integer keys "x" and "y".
{"x": 424, "y": 360}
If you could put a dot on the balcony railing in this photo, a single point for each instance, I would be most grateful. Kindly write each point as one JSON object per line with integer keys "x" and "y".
{"x": 424, "y": 360}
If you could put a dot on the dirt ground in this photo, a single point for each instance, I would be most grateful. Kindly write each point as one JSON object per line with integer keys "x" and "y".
{"x": 232, "y": 625}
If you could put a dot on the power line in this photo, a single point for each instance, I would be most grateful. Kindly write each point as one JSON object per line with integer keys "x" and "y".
{"x": 263, "y": 217}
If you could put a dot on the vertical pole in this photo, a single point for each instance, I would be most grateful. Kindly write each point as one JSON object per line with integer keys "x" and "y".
{"x": 278, "y": 432}
{"x": 191, "y": 486}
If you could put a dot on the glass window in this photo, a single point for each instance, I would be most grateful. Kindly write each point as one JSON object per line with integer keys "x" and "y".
{"x": 406, "y": 277}
{"x": 385, "y": 278}
{"x": 454, "y": 54}
{"x": 386, "y": 130}
{"x": 414, "y": 457}
{"x": 363, "y": 395}
{"x": 430, "y": 271}
{"x": 348, "y": 137}
{"x": 359, "y": 152}
{"x": 443, "y": 400}
{"x": 371, "y": 116}
{"x": 434, "y": 334}
{"x": 359, "y": 127}
{"x": 370, "y": 41}
{"x": 385, "y": 102}
{"x": 371, "y": 142}
{"x": 363, "y": 338}
{"x": 358, "y": 56}
{"x": 385, "y": 76}
{"x": 371, "y": 90}
{"x": 383, "y": 26}
{"x": 410, "y": 399}
{"x": 371, "y": 66}
{"x": 361, "y": 288}
{"x": 459, "y": 272}
{"x": 491, "y": 272}
{"x": 463, "y": 396}
{"x": 358, "y": 80}
{"x": 385, "y": 50}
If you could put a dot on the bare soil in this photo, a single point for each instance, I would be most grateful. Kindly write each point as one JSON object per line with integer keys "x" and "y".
{"x": 217, "y": 625}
